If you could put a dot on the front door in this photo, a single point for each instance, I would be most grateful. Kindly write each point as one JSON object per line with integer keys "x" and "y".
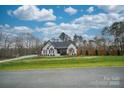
{"x": 62, "y": 51}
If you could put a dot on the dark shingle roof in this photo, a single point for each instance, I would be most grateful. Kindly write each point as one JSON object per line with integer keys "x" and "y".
{"x": 61, "y": 44}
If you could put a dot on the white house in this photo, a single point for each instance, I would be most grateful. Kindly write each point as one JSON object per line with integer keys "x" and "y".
{"x": 59, "y": 48}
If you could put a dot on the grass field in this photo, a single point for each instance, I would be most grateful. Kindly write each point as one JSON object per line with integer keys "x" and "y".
{"x": 63, "y": 62}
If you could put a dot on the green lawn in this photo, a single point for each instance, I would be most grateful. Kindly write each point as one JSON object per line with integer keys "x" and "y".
{"x": 63, "y": 62}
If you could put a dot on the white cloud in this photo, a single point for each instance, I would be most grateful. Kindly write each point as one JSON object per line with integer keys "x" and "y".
{"x": 88, "y": 37}
{"x": 22, "y": 29}
{"x": 90, "y": 9}
{"x": 70, "y": 10}
{"x": 49, "y": 32}
{"x": 85, "y": 23}
{"x": 30, "y": 12}
{"x": 67, "y": 26}
{"x": 78, "y": 26}
{"x": 112, "y": 8}
{"x": 15, "y": 30}
{"x": 98, "y": 21}
{"x": 81, "y": 25}
{"x": 50, "y": 24}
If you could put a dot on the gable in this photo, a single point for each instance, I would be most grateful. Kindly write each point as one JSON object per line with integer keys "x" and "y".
{"x": 72, "y": 46}
{"x": 48, "y": 45}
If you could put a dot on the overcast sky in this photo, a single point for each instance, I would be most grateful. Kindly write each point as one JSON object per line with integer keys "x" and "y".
{"x": 49, "y": 21}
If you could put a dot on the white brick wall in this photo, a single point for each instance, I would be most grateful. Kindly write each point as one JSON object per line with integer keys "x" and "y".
{"x": 49, "y": 50}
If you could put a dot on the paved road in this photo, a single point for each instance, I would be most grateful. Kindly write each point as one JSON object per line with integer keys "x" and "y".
{"x": 22, "y": 57}
{"x": 64, "y": 78}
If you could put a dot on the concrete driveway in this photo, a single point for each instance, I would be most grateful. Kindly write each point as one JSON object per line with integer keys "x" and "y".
{"x": 22, "y": 57}
{"x": 64, "y": 78}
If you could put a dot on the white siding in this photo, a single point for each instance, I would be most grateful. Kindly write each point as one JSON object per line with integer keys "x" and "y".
{"x": 49, "y": 50}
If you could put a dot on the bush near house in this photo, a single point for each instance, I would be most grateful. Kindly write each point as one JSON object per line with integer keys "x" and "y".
{"x": 99, "y": 51}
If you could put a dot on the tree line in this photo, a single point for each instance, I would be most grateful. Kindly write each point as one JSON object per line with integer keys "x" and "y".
{"x": 111, "y": 42}
{"x": 20, "y": 45}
